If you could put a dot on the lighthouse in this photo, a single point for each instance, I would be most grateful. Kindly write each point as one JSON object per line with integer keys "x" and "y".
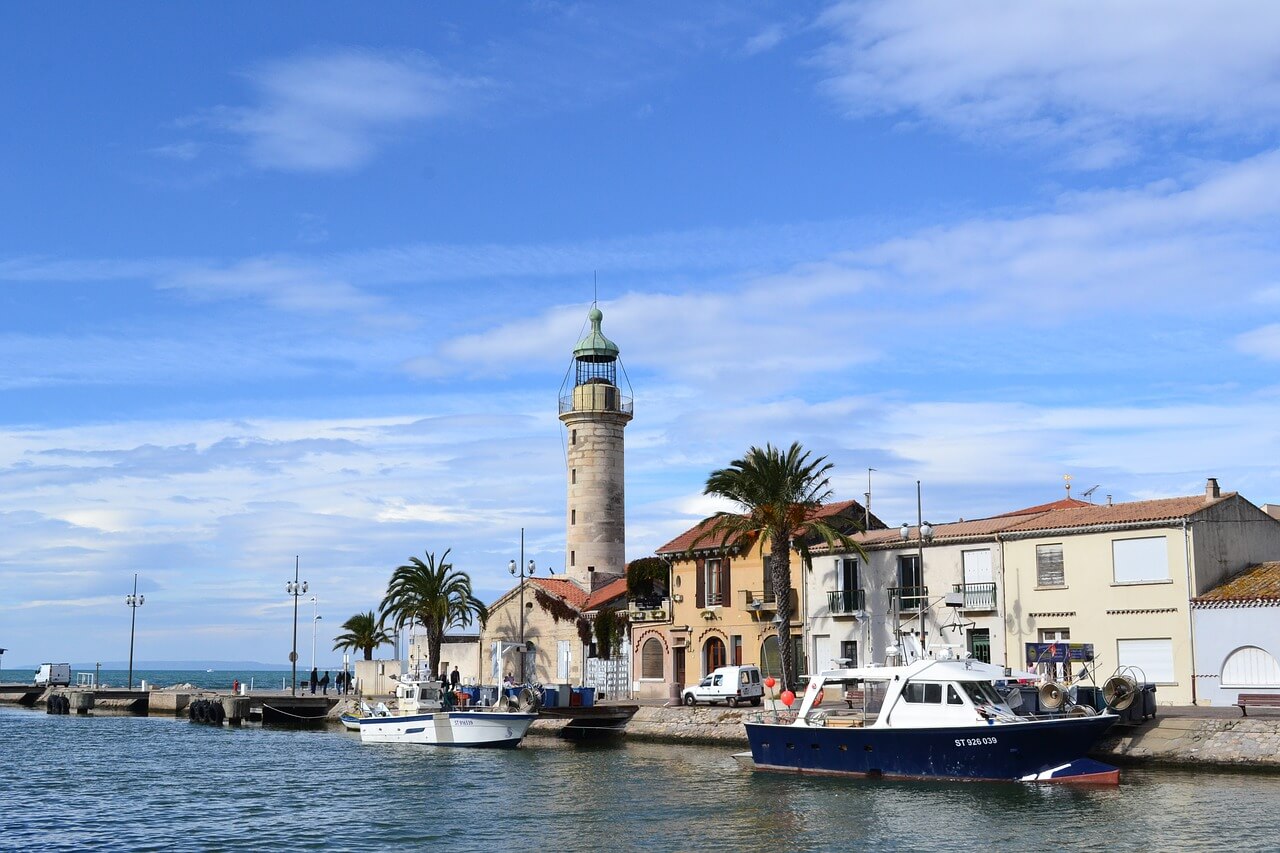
{"x": 595, "y": 413}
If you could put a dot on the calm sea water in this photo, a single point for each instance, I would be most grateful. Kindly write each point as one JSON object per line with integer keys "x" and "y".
{"x": 140, "y": 783}
{"x": 221, "y": 679}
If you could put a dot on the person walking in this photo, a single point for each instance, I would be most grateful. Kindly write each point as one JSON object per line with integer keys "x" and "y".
{"x": 324, "y": 682}
{"x": 455, "y": 678}
{"x": 314, "y": 679}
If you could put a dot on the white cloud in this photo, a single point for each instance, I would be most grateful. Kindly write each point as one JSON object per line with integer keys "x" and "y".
{"x": 1089, "y": 74}
{"x": 325, "y": 112}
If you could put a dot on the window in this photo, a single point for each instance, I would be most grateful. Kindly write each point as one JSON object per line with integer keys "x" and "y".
{"x": 735, "y": 649}
{"x": 713, "y": 654}
{"x": 1250, "y": 666}
{"x": 953, "y": 698}
{"x": 847, "y": 574}
{"x": 573, "y": 516}
{"x": 980, "y": 644}
{"x": 1054, "y": 635}
{"x": 1140, "y": 560}
{"x": 573, "y": 437}
{"x": 771, "y": 660}
{"x": 1154, "y": 657}
{"x": 916, "y": 692}
{"x": 651, "y": 658}
{"x": 849, "y": 651}
{"x": 713, "y": 576}
{"x": 573, "y": 475}
{"x": 573, "y": 558}
{"x": 911, "y": 594}
{"x": 1049, "y": 571}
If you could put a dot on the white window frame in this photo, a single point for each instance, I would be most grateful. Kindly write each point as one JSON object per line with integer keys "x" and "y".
{"x": 1144, "y": 559}
{"x": 1062, "y": 559}
{"x": 711, "y": 568}
{"x": 1268, "y": 662}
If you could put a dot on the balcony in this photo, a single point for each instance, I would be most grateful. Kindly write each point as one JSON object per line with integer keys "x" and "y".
{"x": 977, "y": 596}
{"x": 845, "y": 602}
{"x": 759, "y": 601}
{"x": 649, "y": 610}
{"x": 909, "y": 598}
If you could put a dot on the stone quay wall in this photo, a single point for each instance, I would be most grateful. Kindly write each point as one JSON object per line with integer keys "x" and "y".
{"x": 1245, "y": 742}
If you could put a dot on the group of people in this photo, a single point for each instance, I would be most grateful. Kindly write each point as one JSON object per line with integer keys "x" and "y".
{"x": 341, "y": 682}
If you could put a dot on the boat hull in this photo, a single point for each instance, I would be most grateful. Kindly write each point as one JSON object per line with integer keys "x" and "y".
{"x": 449, "y": 728}
{"x": 1033, "y": 751}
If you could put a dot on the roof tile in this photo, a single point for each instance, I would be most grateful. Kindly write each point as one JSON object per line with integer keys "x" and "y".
{"x": 1260, "y": 582}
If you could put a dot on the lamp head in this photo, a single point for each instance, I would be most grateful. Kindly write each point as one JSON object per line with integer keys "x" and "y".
{"x": 511, "y": 567}
{"x": 531, "y": 566}
{"x": 304, "y": 587}
{"x": 906, "y": 531}
{"x": 926, "y": 530}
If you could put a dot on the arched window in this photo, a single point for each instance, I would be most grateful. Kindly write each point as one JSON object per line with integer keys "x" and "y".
{"x": 713, "y": 655}
{"x": 651, "y": 658}
{"x": 1250, "y": 666}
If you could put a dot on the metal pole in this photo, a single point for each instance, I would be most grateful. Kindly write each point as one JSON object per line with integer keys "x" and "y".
{"x": 133, "y": 619}
{"x": 522, "y": 650}
{"x": 314, "y": 619}
{"x": 920, "y": 543}
{"x": 293, "y": 658}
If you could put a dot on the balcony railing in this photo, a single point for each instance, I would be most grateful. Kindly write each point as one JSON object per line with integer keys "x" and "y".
{"x": 645, "y": 610}
{"x": 844, "y": 601}
{"x": 909, "y": 597}
{"x": 977, "y": 596}
{"x": 760, "y": 600}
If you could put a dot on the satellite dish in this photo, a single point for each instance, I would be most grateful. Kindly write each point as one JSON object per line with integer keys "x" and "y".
{"x": 1052, "y": 695}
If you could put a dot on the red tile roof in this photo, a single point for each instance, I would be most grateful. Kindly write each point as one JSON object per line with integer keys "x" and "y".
{"x": 685, "y": 540}
{"x": 1090, "y": 515}
{"x": 1065, "y": 503}
{"x": 1260, "y": 584}
{"x": 565, "y": 588}
{"x": 605, "y": 594}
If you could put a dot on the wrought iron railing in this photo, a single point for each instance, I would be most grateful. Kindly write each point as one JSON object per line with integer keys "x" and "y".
{"x": 977, "y": 596}
{"x": 909, "y": 597}
{"x": 845, "y": 600}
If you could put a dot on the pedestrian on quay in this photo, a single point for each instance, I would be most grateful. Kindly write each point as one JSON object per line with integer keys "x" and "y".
{"x": 324, "y": 682}
{"x": 314, "y": 679}
{"x": 235, "y": 687}
{"x": 455, "y": 678}
{"x": 337, "y": 682}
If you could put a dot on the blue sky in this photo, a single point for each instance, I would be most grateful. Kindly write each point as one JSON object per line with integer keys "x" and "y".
{"x": 283, "y": 279}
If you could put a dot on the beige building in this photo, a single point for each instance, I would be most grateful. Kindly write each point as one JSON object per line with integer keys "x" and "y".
{"x": 1119, "y": 577}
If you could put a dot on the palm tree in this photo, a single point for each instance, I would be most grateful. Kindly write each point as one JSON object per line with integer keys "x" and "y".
{"x": 780, "y": 494}
{"x": 363, "y": 633}
{"x": 433, "y": 594}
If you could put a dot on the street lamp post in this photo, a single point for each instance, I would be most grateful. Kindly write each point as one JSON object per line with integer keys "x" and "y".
{"x": 314, "y": 619}
{"x": 519, "y": 569}
{"x": 134, "y": 601}
{"x": 924, "y": 533}
{"x": 295, "y": 589}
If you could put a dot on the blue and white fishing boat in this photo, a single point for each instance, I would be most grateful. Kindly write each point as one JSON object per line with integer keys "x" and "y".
{"x": 421, "y": 717}
{"x": 932, "y": 719}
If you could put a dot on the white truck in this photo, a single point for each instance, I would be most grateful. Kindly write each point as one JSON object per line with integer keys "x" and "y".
{"x": 728, "y": 684}
{"x": 54, "y": 674}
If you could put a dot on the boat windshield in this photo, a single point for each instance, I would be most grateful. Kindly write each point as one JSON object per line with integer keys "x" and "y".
{"x": 981, "y": 693}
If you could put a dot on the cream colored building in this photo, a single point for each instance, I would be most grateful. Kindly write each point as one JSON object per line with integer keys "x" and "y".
{"x": 1120, "y": 577}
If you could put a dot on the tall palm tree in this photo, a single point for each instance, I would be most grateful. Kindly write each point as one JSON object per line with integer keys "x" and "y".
{"x": 780, "y": 494}
{"x": 433, "y": 594}
{"x": 363, "y": 633}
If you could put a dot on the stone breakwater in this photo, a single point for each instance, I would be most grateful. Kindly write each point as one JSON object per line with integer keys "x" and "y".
{"x": 1210, "y": 742}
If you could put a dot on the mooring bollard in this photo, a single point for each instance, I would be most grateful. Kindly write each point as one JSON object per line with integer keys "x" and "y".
{"x": 236, "y": 709}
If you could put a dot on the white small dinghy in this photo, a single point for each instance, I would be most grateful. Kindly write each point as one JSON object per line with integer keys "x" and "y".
{"x": 422, "y": 718}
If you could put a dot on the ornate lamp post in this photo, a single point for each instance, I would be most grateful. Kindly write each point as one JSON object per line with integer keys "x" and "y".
{"x": 314, "y": 619}
{"x": 924, "y": 533}
{"x": 520, "y": 570}
{"x": 134, "y": 601}
{"x": 296, "y": 590}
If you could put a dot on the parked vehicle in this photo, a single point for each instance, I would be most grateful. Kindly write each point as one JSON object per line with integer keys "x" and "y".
{"x": 728, "y": 684}
{"x": 54, "y": 674}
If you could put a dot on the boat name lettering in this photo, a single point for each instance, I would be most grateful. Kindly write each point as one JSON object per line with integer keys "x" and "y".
{"x": 975, "y": 741}
{"x": 460, "y": 722}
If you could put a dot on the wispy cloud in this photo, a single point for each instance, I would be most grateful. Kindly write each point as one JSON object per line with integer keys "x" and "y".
{"x": 1092, "y": 76}
{"x": 333, "y": 111}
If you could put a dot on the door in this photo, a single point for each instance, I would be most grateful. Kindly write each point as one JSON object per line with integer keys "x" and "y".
{"x": 677, "y": 665}
{"x": 564, "y": 658}
{"x": 979, "y": 582}
{"x": 824, "y": 653}
{"x": 980, "y": 644}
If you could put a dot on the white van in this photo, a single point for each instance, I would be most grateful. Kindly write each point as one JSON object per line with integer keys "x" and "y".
{"x": 54, "y": 674}
{"x": 728, "y": 684}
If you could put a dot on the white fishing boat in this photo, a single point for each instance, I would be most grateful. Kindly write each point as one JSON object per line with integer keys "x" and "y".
{"x": 421, "y": 717}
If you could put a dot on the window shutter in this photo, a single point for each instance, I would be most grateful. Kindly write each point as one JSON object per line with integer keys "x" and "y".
{"x": 700, "y": 581}
{"x": 725, "y": 589}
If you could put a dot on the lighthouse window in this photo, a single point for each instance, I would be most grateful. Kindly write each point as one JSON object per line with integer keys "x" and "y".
{"x": 573, "y": 475}
{"x": 572, "y": 558}
{"x": 573, "y": 516}
{"x": 573, "y": 436}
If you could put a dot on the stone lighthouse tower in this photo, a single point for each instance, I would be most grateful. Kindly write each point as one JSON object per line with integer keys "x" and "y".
{"x": 594, "y": 414}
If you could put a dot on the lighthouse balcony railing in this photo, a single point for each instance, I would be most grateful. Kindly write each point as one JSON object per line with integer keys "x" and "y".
{"x": 607, "y": 403}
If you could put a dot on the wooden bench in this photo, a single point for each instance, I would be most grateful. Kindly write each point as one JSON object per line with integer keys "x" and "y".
{"x": 853, "y": 698}
{"x": 1257, "y": 700}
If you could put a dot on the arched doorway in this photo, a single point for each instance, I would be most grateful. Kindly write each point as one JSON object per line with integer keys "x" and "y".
{"x": 713, "y": 655}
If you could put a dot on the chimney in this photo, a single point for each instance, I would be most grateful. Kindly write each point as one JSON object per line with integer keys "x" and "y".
{"x": 1108, "y": 500}
{"x": 1211, "y": 490}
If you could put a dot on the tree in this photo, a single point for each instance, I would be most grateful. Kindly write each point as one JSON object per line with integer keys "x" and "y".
{"x": 433, "y": 594}
{"x": 781, "y": 494}
{"x": 363, "y": 633}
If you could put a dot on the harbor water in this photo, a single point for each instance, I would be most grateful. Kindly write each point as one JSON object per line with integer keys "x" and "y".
{"x": 151, "y": 783}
